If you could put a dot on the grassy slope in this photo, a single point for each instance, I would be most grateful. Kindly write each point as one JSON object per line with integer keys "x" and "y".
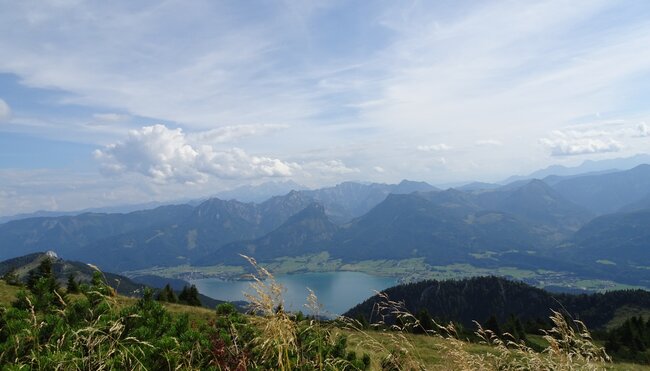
{"x": 427, "y": 347}
{"x": 7, "y": 293}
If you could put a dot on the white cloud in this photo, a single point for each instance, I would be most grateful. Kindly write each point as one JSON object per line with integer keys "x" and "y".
{"x": 489, "y": 142}
{"x": 379, "y": 169}
{"x": 230, "y": 133}
{"x": 111, "y": 117}
{"x": 5, "y": 111}
{"x": 597, "y": 137}
{"x": 427, "y": 72}
{"x": 434, "y": 148}
{"x": 569, "y": 145}
{"x": 237, "y": 164}
{"x": 166, "y": 155}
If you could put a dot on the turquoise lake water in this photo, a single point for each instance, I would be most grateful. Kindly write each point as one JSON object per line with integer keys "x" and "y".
{"x": 336, "y": 291}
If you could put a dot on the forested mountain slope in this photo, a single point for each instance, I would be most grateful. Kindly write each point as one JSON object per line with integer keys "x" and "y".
{"x": 482, "y": 297}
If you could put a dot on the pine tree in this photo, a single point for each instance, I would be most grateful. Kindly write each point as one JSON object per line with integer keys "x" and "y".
{"x": 73, "y": 285}
{"x": 162, "y": 296}
{"x": 426, "y": 322}
{"x": 190, "y": 296}
{"x": 44, "y": 287}
{"x": 493, "y": 325}
{"x": 167, "y": 295}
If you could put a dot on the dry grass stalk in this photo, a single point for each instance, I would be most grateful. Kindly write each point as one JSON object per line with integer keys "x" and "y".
{"x": 278, "y": 338}
{"x": 570, "y": 347}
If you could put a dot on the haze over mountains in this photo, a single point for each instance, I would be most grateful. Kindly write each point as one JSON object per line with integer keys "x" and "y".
{"x": 536, "y": 224}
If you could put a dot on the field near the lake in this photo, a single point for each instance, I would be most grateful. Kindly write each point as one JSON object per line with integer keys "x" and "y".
{"x": 406, "y": 270}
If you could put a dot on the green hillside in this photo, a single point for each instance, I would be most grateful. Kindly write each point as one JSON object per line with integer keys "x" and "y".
{"x": 95, "y": 329}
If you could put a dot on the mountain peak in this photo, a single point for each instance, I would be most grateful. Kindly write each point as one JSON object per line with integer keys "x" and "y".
{"x": 313, "y": 211}
{"x": 410, "y": 186}
{"x": 51, "y": 254}
{"x": 537, "y": 185}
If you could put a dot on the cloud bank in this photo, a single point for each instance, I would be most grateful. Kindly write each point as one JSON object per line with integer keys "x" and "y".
{"x": 168, "y": 155}
{"x": 565, "y": 146}
{"x": 594, "y": 138}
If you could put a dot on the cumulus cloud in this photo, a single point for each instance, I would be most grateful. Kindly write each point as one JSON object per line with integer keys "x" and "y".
{"x": 434, "y": 148}
{"x": 167, "y": 155}
{"x": 5, "y": 111}
{"x": 573, "y": 143}
{"x": 230, "y": 133}
{"x": 236, "y": 163}
{"x": 379, "y": 169}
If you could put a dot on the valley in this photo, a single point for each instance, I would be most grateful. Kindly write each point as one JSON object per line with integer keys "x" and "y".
{"x": 537, "y": 231}
{"x": 403, "y": 271}
{"x": 324, "y": 185}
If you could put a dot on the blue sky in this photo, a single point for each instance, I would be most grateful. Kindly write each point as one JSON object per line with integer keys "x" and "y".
{"x": 105, "y": 103}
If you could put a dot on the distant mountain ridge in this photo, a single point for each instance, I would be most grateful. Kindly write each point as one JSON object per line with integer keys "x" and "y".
{"x": 529, "y": 223}
{"x": 350, "y": 200}
{"x": 607, "y": 193}
{"x": 588, "y": 166}
{"x": 178, "y": 234}
{"x": 261, "y": 192}
{"x": 440, "y": 226}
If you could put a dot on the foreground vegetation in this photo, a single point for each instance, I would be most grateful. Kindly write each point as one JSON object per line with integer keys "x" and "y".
{"x": 47, "y": 327}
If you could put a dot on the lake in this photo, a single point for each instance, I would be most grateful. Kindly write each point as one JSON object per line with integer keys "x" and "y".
{"x": 336, "y": 291}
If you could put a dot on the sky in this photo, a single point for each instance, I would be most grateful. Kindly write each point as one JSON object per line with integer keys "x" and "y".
{"x": 119, "y": 102}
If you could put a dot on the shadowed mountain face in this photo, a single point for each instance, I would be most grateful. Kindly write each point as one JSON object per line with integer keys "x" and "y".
{"x": 350, "y": 200}
{"x": 538, "y": 203}
{"x": 306, "y": 232}
{"x": 607, "y": 193}
{"x": 168, "y": 235}
{"x": 68, "y": 234}
{"x": 406, "y": 226}
{"x": 622, "y": 238}
{"x": 209, "y": 226}
{"x": 441, "y": 226}
{"x": 388, "y": 222}
{"x": 479, "y": 298}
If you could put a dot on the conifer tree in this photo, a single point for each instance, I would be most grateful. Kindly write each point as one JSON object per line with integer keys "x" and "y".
{"x": 426, "y": 322}
{"x": 493, "y": 325}
{"x": 73, "y": 284}
{"x": 167, "y": 295}
{"x": 190, "y": 296}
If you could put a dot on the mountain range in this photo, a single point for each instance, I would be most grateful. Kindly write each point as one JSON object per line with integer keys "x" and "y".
{"x": 600, "y": 218}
